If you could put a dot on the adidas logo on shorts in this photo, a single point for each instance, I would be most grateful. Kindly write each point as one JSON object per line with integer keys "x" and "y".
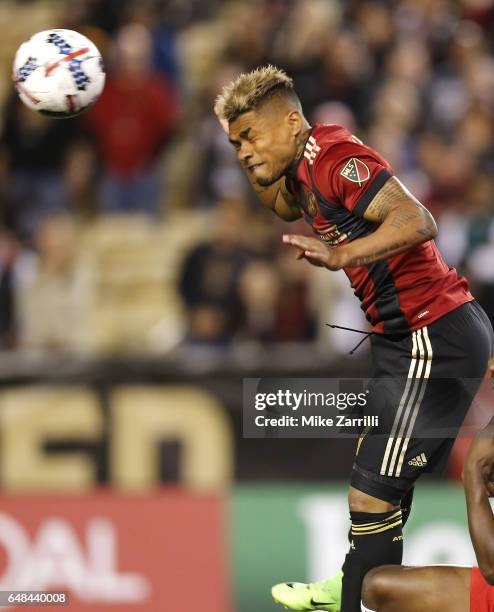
{"x": 419, "y": 461}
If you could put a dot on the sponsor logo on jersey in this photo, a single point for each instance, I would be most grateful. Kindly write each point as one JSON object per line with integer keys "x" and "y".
{"x": 356, "y": 171}
{"x": 332, "y": 235}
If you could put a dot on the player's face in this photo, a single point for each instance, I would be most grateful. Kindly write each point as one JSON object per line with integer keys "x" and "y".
{"x": 266, "y": 143}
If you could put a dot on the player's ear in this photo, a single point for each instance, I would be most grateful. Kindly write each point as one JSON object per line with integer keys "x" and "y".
{"x": 294, "y": 120}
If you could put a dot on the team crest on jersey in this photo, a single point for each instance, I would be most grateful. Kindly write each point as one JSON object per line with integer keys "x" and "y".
{"x": 356, "y": 171}
{"x": 310, "y": 201}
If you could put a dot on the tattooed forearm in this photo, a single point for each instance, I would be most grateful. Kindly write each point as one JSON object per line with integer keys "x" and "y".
{"x": 415, "y": 218}
{"x": 388, "y": 251}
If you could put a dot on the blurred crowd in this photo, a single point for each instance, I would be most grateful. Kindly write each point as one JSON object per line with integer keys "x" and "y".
{"x": 132, "y": 229}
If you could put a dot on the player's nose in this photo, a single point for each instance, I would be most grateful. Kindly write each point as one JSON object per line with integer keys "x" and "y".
{"x": 245, "y": 155}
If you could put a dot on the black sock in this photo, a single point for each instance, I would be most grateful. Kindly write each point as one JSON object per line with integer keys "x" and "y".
{"x": 377, "y": 539}
{"x": 406, "y": 505}
{"x": 406, "y": 508}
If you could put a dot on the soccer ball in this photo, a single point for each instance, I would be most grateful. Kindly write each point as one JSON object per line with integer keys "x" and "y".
{"x": 59, "y": 73}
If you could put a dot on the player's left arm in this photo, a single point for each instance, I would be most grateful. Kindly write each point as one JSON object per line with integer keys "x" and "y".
{"x": 478, "y": 476}
{"x": 403, "y": 223}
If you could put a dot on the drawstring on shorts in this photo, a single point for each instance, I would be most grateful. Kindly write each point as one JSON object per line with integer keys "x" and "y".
{"x": 358, "y": 331}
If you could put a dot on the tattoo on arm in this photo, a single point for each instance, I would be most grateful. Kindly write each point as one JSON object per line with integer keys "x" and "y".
{"x": 400, "y": 218}
{"x": 430, "y": 227}
{"x": 394, "y": 203}
{"x": 284, "y": 191}
{"x": 288, "y": 196}
{"x": 387, "y": 199}
{"x": 377, "y": 255}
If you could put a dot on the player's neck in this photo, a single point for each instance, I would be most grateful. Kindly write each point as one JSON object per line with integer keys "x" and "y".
{"x": 301, "y": 142}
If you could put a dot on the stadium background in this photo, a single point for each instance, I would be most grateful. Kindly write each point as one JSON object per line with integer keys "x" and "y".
{"x": 140, "y": 283}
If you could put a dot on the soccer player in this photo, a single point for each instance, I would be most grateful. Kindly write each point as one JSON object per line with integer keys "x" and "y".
{"x": 428, "y": 332}
{"x": 455, "y": 589}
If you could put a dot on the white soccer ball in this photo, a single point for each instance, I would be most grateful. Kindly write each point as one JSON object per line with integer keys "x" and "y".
{"x": 59, "y": 73}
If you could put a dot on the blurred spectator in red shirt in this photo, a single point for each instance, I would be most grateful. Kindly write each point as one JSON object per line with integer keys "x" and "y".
{"x": 132, "y": 122}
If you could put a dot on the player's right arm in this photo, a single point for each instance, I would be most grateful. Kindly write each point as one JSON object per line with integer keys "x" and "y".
{"x": 278, "y": 199}
{"x": 479, "y": 486}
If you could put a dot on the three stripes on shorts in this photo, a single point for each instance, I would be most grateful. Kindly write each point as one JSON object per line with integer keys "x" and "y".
{"x": 409, "y": 405}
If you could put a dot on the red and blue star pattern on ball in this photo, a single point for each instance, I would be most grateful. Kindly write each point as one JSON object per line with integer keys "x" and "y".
{"x": 80, "y": 77}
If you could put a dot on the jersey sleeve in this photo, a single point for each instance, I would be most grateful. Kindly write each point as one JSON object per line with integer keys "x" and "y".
{"x": 350, "y": 174}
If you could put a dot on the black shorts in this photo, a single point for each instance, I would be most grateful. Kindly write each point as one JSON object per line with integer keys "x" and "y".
{"x": 421, "y": 389}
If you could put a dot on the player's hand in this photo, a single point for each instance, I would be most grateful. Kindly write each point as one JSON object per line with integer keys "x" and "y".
{"x": 316, "y": 252}
{"x": 491, "y": 366}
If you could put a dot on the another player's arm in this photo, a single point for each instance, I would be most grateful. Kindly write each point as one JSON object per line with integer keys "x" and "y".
{"x": 403, "y": 223}
{"x": 477, "y": 478}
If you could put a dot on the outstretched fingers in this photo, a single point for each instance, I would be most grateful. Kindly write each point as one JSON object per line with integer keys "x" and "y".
{"x": 308, "y": 248}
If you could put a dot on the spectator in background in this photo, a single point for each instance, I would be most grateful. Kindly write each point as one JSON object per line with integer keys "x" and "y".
{"x": 105, "y": 15}
{"x": 34, "y": 149}
{"x": 241, "y": 286}
{"x": 132, "y": 123}
{"x": 302, "y": 43}
{"x": 9, "y": 252}
{"x": 260, "y": 292}
{"x": 52, "y": 292}
{"x": 218, "y": 176}
{"x": 163, "y": 31}
{"x": 209, "y": 280}
{"x": 275, "y": 302}
{"x": 79, "y": 179}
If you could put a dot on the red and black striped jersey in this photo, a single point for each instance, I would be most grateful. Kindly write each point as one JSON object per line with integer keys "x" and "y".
{"x": 334, "y": 181}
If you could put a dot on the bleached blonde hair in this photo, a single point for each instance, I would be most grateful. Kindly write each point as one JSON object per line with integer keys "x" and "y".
{"x": 251, "y": 89}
